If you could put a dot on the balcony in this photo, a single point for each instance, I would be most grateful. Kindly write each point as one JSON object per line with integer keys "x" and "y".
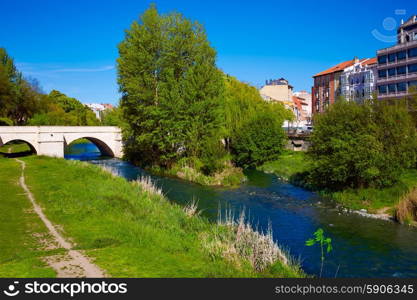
{"x": 391, "y": 79}
{"x": 392, "y": 95}
{"x": 396, "y": 47}
{"x": 406, "y": 61}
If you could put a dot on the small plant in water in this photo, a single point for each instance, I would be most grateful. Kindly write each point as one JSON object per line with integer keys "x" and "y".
{"x": 323, "y": 242}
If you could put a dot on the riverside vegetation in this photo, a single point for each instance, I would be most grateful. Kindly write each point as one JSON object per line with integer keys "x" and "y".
{"x": 134, "y": 231}
{"x": 182, "y": 115}
{"x": 362, "y": 156}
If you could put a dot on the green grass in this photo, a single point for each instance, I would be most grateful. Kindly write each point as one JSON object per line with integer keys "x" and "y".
{"x": 129, "y": 232}
{"x": 14, "y": 148}
{"x": 229, "y": 177}
{"x": 374, "y": 200}
{"x": 289, "y": 164}
{"x": 20, "y": 251}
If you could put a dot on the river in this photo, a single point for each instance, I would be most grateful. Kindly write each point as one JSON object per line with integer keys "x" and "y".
{"x": 363, "y": 247}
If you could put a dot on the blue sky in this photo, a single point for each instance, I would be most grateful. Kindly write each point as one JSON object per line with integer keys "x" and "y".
{"x": 71, "y": 46}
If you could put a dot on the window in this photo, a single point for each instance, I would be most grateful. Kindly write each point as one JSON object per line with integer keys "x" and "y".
{"x": 412, "y": 68}
{"x": 391, "y": 57}
{"x": 402, "y": 86}
{"x": 401, "y": 70}
{"x": 412, "y": 52}
{"x": 382, "y": 89}
{"x": 412, "y": 84}
{"x": 382, "y": 73}
{"x": 401, "y": 55}
{"x": 392, "y": 88}
{"x": 391, "y": 72}
{"x": 382, "y": 59}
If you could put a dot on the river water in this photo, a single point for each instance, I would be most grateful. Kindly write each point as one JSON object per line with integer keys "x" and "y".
{"x": 363, "y": 247}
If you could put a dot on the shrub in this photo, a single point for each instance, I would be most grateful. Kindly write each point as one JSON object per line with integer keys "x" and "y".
{"x": 259, "y": 140}
{"x": 6, "y": 122}
{"x": 365, "y": 145}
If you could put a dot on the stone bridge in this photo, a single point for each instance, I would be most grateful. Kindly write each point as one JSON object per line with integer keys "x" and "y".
{"x": 52, "y": 140}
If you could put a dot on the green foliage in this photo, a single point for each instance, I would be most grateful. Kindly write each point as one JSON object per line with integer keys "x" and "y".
{"x": 324, "y": 243}
{"x": 6, "y": 122}
{"x": 361, "y": 146}
{"x": 18, "y": 97}
{"x": 23, "y": 102}
{"x": 253, "y": 127}
{"x": 112, "y": 117}
{"x": 60, "y": 110}
{"x": 260, "y": 139}
{"x": 171, "y": 90}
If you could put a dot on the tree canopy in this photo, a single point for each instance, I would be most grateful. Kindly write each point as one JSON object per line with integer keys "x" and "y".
{"x": 362, "y": 145}
{"x": 171, "y": 89}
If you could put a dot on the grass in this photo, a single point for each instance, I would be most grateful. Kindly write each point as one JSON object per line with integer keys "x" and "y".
{"x": 14, "y": 148}
{"x": 20, "y": 247}
{"x": 373, "y": 200}
{"x": 289, "y": 164}
{"x": 378, "y": 200}
{"x": 128, "y": 229}
{"x": 229, "y": 177}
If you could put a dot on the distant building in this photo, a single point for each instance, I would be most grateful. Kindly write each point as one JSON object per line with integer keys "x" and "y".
{"x": 277, "y": 90}
{"x": 300, "y": 110}
{"x": 98, "y": 109}
{"x": 306, "y": 96}
{"x": 397, "y": 65}
{"x": 327, "y": 86}
{"x": 353, "y": 79}
{"x": 358, "y": 82}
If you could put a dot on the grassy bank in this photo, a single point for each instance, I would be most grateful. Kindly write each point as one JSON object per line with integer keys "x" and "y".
{"x": 290, "y": 164}
{"x": 21, "y": 231}
{"x": 229, "y": 177}
{"x": 129, "y": 230}
{"x": 373, "y": 200}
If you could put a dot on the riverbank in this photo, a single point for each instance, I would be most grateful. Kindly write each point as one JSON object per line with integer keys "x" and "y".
{"x": 131, "y": 230}
{"x": 381, "y": 202}
{"x": 21, "y": 231}
{"x": 230, "y": 176}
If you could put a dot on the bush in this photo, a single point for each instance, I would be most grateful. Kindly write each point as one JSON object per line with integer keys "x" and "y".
{"x": 359, "y": 146}
{"x": 259, "y": 140}
{"x": 6, "y": 122}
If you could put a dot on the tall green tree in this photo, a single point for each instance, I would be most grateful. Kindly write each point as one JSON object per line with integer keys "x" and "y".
{"x": 171, "y": 89}
{"x": 18, "y": 98}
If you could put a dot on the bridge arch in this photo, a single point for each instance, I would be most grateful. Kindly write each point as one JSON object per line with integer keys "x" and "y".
{"x": 4, "y": 142}
{"x": 101, "y": 145}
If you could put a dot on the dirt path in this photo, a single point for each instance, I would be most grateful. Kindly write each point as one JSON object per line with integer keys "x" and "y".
{"x": 73, "y": 263}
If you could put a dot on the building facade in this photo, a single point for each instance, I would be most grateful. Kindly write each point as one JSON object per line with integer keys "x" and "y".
{"x": 327, "y": 87}
{"x": 358, "y": 82}
{"x": 277, "y": 90}
{"x": 307, "y": 106}
{"x": 98, "y": 109}
{"x": 397, "y": 65}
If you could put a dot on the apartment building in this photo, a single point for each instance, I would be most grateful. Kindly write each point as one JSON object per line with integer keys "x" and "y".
{"x": 327, "y": 87}
{"x": 397, "y": 65}
{"x": 305, "y": 97}
{"x": 358, "y": 82}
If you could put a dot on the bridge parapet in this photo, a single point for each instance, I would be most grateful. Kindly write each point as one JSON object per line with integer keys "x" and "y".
{"x": 51, "y": 140}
